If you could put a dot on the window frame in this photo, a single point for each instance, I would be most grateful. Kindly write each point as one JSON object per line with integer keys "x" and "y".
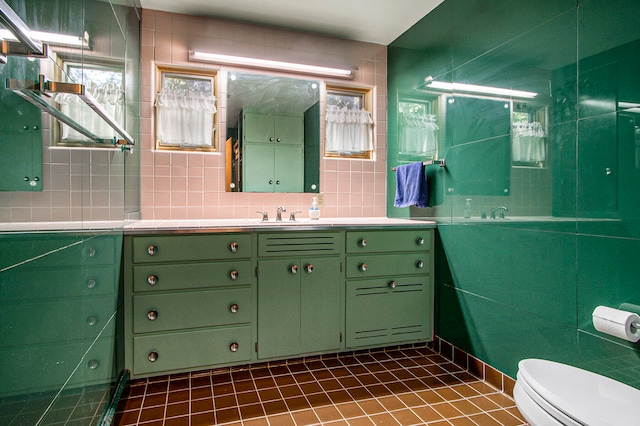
{"x": 63, "y": 64}
{"x": 161, "y": 71}
{"x": 366, "y": 94}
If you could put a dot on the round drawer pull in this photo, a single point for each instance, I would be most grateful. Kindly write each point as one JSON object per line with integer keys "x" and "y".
{"x": 152, "y": 315}
{"x": 152, "y": 250}
{"x": 234, "y": 347}
{"x": 419, "y": 264}
{"x": 233, "y": 275}
{"x": 92, "y": 320}
{"x": 91, "y": 252}
{"x": 362, "y": 267}
{"x": 308, "y": 268}
{"x": 93, "y": 364}
{"x": 91, "y": 283}
{"x": 392, "y": 284}
{"x": 233, "y": 247}
{"x": 153, "y": 356}
{"x": 420, "y": 241}
{"x": 293, "y": 269}
{"x": 152, "y": 279}
{"x": 234, "y": 308}
{"x": 362, "y": 242}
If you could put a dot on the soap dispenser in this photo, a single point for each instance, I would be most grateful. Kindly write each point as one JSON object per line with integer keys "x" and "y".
{"x": 467, "y": 209}
{"x": 314, "y": 211}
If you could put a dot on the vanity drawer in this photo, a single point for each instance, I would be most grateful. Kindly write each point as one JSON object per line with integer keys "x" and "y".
{"x": 24, "y": 283}
{"x": 374, "y": 265}
{"x": 27, "y": 369}
{"x": 45, "y": 251}
{"x": 190, "y": 350}
{"x": 56, "y": 320}
{"x": 368, "y": 241}
{"x": 174, "y": 311}
{"x": 160, "y": 277}
{"x": 162, "y": 248}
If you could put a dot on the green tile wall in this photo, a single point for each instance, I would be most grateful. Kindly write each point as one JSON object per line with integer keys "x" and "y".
{"x": 525, "y": 286}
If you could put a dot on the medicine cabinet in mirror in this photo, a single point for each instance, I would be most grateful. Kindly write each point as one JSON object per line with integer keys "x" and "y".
{"x": 273, "y": 134}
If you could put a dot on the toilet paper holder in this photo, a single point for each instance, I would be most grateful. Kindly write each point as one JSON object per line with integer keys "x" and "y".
{"x": 623, "y": 323}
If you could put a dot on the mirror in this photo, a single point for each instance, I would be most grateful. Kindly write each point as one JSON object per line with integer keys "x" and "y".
{"x": 273, "y": 134}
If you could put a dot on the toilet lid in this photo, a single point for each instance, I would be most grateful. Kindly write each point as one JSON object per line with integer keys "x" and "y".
{"x": 587, "y": 397}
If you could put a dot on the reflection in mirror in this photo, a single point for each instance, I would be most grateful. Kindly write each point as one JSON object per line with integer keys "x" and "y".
{"x": 273, "y": 134}
{"x": 418, "y": 131}
{"x": 529, "y": 135}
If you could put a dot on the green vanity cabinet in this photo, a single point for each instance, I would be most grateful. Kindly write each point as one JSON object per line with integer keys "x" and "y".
{"x": 299, "y": 293}
{"x": 58, "y": 299}
{"x": 200, "y": 300}
{"x": 389, "y": 287}
{"x": 272, "y": 152}
{"x": 189, "y": 301}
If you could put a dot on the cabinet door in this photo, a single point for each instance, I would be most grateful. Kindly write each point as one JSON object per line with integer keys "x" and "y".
{"x": 258, "y": 128}
{"x": 320, "y": 301}
{"x": 258, "y": 168}
{"x": 379, "y": 312}
{"x": 278, "y": 308}
{"x": 289, "y": 129}
{"x": 289, "y": 168}
{"x": 21, "y": 161}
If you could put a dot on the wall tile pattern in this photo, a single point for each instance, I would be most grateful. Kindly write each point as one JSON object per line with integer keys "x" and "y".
{"x": 190, "y": 185}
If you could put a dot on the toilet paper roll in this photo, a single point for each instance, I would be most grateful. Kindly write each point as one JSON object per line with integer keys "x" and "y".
{"x": 617, "y": 323}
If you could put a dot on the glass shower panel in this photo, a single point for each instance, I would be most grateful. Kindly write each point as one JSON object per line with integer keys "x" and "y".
{"x": 608, "y": 119}
{"x": 60, "y": 247}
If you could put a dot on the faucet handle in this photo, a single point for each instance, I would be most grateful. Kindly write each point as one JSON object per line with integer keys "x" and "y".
{"x": 292, "y": 216}
{"x": 265, "y": 216}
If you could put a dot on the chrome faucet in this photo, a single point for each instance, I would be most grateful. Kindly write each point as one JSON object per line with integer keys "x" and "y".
{"x": 501, "y": 211}
{"x": 279, "y": 213}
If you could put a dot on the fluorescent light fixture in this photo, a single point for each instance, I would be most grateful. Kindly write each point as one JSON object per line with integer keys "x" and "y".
{"x": 268, "y": 64}
{"x": 52, "y": 38}
{"x": 472, "y": 88}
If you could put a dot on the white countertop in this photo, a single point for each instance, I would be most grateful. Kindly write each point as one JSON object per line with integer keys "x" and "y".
{"x": 140, "y": 226}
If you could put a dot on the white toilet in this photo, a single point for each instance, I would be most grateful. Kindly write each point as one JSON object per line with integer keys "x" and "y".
{"x": 550, "y": 393}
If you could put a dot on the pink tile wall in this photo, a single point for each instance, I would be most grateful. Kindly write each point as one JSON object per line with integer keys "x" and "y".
{"x": 187, "y": 185}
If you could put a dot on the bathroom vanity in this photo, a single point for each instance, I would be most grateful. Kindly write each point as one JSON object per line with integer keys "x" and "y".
{"x": 209, "y": 296}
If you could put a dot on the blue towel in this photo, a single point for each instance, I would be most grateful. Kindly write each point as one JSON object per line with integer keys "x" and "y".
{"x": 411, "y": 186}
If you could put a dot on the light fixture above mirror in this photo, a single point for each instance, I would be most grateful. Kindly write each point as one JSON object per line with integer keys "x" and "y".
{"x": 269, "y": 64}
{"x": 473, "y": 88}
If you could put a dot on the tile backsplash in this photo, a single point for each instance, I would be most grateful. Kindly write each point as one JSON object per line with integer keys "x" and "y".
{"x": 191, "y": 185}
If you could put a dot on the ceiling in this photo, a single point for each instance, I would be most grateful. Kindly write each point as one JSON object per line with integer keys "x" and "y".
{"x": 373, "y": 21}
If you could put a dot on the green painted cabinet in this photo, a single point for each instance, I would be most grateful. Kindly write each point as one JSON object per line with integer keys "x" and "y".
{"x": 389, "y": 287}
{"x": 272, "y": 152}
{"x": 298, "y": 305}
{"x": 300, "y": 291}
{"x": 204, "y": 300}
{"x": 20, "y": 132}
{"x": 189, "y": 301}
{"x": 58, "y": 299}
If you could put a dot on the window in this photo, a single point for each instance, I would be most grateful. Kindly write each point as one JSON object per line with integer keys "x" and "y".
{"x": 185, "y": 110}
{"x": 349, "y": 122}
{"x": 105, "y": 84}
{"x": 417, "y": 129}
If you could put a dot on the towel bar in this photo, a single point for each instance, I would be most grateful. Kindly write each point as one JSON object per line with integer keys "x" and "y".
{"x": 441, "y": 163}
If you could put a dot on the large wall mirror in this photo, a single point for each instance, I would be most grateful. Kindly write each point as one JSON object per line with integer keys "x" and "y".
{"x": 273, "y": 134}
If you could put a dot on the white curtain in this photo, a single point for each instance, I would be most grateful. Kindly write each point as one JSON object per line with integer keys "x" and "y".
{"x": 418, "y": 134}
{"x": 529, "y": 144}
{"x": 110, "y": 96}
{"x": 185, "y": 119}
{"x": 348, "y": 130}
